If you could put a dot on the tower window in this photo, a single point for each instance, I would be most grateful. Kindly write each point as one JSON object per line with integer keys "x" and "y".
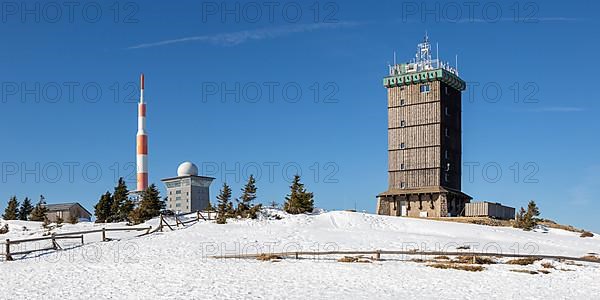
{"x": 401, "y": 166}
{"x": 425, "y": 88}
{"x": 446, "y": 177}
{"x": 446, "y": 90}
{"x": 446, "y": 132}
{"x": 446, "y": 154}
{"x": 446, "y": 111}
{"x": 402, "y": 123}
{"x": 402, "y": 102}
{"x": 402, "y": 145}
{"x": 402, "y": 185}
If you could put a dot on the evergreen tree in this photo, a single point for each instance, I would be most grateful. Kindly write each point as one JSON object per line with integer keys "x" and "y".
{"x": 12, "y": 209}
{"x": 150, "y": 206}
{"x": 224, "y": 205}
{"x": 209, "y": 207}
{"x": 120, "y": 197}
{"x": 248, "y": 195}
{"x": 102, "y": 209}
{"x": 25, "y": 209}
{"x": 519, "y": 219}
{"x": 299, "y": 200}
{"x": 533, "y": 210}
{"x": 527, "y": 219}
{"x": 126, "y": 209}
{"x": 39, "y": 211}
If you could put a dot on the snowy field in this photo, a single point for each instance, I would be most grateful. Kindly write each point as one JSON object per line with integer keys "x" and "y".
{"x": 178, "y": 264}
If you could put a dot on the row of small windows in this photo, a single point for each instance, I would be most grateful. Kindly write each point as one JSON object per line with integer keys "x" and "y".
{"x": 178, "y": 192}
{"x": 426, "y": 88}
{"x": 178, "y": 205}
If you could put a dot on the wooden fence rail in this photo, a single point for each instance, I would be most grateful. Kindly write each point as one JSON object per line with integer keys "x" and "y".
{"x": 199, "y": 216}
{"x": 377, "y": 254}
{"x": 63, "y": 236}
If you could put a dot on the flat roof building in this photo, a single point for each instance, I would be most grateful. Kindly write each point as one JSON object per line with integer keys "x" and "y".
{"x": 187, "y": 192}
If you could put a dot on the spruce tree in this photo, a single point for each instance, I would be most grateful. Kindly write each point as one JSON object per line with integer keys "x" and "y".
{"x": 102, "y": 209}
{"x": 39, "y": 211}
{"x": 126, "y": 208}
{"x": 533, "y": 210}
{"x": 527, "y": 219}
{"x": 299, "y": 200}
{"x": 209, "y": 206}
{"x": 248, "y": 195}
{"x": 120, "y": 196}
{"x": 12, "y": 209}
{"x": 25, "y": 209}
{"x": 224, "y": 205}
{"x": 150, "y": 206}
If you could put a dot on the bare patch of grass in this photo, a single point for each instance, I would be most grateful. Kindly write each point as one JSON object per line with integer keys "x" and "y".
{"x": 586, "y": 234}
{"x": 567, "y": 270}
{"x": 353, "y": 259}
{"x": 469, "y": 268}
{"x": 268, "y": 257}
{"x": 417, "y": 260}
{"x": 464, "y": 247}
{"x": 477, "y": 260}
{"x": 544, "y": 271}
{"x": 525, "y": 271}
{"x": 591, "y": 258}
{"x": 548, "y": 265}
{"x": 572, "y": 263}
{"x": 442, "y": 257}
{"x": 523, "y": 261}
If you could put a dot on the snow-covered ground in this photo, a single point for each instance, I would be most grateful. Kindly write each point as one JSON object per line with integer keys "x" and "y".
{"x": 178, "y": 264}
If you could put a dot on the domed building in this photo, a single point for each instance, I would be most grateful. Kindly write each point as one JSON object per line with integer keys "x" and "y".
{"x": 188, "y": 192}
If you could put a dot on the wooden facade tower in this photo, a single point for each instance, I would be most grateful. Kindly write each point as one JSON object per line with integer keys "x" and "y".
{"x": 424, "y": 139}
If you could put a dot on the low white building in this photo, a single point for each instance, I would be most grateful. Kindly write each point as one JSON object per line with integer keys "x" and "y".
{"x": 187, "y": 192}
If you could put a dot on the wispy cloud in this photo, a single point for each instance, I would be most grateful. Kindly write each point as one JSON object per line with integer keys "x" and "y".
{"x": 560, "y": 109}
{"x": 240, "y": 37}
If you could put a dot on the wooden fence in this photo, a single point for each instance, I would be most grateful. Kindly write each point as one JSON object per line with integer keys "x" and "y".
{"x": 62, "y": 236}
{"x": 79, "y": 234}
{"x": 198, "y": 216}
{"x": 378, "y": 253}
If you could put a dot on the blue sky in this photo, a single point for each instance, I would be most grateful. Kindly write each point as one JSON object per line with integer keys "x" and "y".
{"x": 242, "y": 92}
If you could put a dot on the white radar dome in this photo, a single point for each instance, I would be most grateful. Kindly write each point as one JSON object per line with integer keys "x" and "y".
{"x": 186, "y": 169}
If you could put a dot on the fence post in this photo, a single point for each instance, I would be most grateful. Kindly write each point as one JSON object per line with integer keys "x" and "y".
{"x": 296, "y": 255}
{"x": 149, "y": 229}
{"x": 54, "y": 245}
{"x": 197, "y": 216}
{"x": 378, "y": 255}
{"x": 82, "y": 239}
{"x": 8, "y": 257}
{"x": 103, "y": 234}
{"x": 160, "y": 226}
